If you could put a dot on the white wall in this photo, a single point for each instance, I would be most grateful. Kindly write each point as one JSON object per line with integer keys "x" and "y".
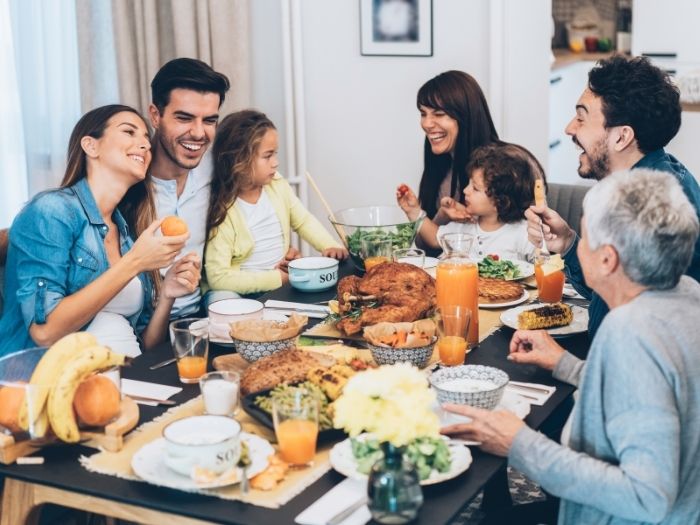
{"x": 362, "y": 126}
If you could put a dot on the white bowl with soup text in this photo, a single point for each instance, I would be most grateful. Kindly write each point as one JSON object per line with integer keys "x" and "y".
{"x": 313, "y": 274}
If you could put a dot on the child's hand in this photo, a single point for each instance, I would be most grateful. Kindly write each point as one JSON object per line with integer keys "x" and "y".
{"x": 284, "y": 275}
{"x": 336, "y": 253}
{"x": 292, "y": 254}
{"x": 408, "y": 201}
{"x": 454, "y": 210}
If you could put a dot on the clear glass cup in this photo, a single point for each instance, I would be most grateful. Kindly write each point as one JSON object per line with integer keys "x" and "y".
{"x": 375, "y": 249}
{"x": 550, "y": 287}
{"x": 220, "y": 392}
{"x": 453, "y": 330}
{"x": 414, "y": 256}
{"x": 296, "y": 428}
{"x": 190, "y": 342}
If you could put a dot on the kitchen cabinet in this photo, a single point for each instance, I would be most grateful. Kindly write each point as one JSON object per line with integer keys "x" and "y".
{"x": 666, "y": 29}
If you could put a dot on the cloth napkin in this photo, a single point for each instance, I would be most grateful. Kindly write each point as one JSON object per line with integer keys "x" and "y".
{"x": 535, "y": 395}
{"x": 131, "y": 387}
{"x": 316, "y": 311}
{"x": 340, "y": 497}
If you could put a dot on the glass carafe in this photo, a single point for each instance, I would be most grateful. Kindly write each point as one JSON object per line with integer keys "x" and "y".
{"x": 457, "y": 279}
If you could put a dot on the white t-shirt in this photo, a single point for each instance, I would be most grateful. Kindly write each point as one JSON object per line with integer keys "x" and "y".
{"x": 111, "y": 326}
{"x": 266, "y": 230}
{"x": 508, "y": 242}
{"x": 192, "y": 207}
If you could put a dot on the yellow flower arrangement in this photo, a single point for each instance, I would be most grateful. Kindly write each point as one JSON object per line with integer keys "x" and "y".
{"x": 393, "y": 402}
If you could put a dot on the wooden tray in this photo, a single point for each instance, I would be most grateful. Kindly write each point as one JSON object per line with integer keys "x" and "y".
{"x": 111, "y": 438}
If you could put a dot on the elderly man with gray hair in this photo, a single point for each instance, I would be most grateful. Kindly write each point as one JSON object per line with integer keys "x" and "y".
{"x": 632, "y": 451}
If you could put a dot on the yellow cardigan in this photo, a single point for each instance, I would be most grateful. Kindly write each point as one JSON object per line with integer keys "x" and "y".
{"x": 232, "y": 242}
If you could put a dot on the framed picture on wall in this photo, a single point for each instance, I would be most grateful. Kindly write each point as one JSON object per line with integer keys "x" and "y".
{"x": 396, "y": 28}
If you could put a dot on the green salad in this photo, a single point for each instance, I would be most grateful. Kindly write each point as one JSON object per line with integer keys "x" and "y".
{"x": 426, "y": 453}
{"x": 401, "y": 238}
{"x": 496, "y": 268}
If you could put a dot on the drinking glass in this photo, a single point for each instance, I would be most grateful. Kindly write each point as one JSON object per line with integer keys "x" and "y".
{"x": 375, "y": 249}
{"x": 414, "y": 256}
{"x": 296, "y": 428}
{"x": 550, "y": 287}
{"x": 190, "y": 341}
{"x": 453, "y": 330}
{"x": 220, "y": 392}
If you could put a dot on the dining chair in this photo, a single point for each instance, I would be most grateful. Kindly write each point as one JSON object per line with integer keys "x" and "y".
{"x": 567, "y": 201}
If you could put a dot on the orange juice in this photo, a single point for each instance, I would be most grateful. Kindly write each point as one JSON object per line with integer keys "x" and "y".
{"x": 452, "y": 350}
{"x": 371, "y": 262}
{"x": 191, "y": 367}
{"x": 297, "y": 440}
{"x": 549, "y": 287}
{"x": 457, "y": 284}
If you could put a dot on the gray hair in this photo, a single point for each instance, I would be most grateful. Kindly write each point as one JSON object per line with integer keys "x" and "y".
{"x": 647, "y": 218}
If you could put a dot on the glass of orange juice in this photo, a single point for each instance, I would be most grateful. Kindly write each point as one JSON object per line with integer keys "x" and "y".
{"x": 190, "y": 341}
{"x": 453, "y": 331}
{"x": 375, "y": 249}
{"x": 550, "y": 278}
{"x": 296, "y": 428}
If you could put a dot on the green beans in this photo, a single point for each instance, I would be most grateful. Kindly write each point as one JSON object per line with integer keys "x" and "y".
{"x": 287, "y": 393}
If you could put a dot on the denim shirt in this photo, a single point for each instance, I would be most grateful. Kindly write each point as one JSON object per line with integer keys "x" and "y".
{"x": 56, "y": 249}
{"x": 656, "y": 160}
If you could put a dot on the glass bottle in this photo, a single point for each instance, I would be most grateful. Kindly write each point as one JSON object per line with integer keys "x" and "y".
{"x": 393, "y": 490}
{"x": 457, "y": 279}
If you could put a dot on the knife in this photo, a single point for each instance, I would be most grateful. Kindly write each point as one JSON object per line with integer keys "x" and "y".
{"x": 162, "y": 363}
{"x": 168, "y": 402}
{"x": 529, "y": 387}
{"x": 347, "y": 512}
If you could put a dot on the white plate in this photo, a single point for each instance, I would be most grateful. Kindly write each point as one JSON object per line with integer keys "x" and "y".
{"x": 148, "y": 464}
{"x": 343, "y": 461}
{"x": 219, "y": 333}
{"x": 524, "y": 297}
{"x": 578, "y": 325}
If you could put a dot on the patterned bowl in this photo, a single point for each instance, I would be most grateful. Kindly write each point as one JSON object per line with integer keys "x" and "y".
{"x": 387, "y": 355}
{"x": 253, "y": 350}
{"x": 475, "y": 385}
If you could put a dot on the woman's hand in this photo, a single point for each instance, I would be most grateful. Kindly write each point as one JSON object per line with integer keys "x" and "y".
{"x": 535, "y": 347}
{"x": 182, "y": 277}
{"x": 494, "y": 429}
{"x": 456, "y": 211}
{"x": 408, "y": 202}
{"x": 336, "y": 253}
{"x": 152, "y": 251}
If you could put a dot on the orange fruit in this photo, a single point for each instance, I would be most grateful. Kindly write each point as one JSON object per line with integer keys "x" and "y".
{"x": 11, "y": 398}
{"x": 97, "y": 401}
{"x": 173, "y": 225}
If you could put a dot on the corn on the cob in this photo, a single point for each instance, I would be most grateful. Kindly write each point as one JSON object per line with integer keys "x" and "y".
{"x": 549, "y": 316}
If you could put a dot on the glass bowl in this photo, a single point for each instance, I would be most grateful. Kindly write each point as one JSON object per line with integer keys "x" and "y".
{"x": 390, "y": 222}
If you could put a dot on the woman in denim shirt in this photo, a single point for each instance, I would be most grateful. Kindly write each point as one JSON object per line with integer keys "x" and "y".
{"x": 71, "y": 255}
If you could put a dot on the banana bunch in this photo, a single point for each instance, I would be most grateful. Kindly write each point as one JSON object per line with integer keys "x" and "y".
{"x": 54, "y": 382}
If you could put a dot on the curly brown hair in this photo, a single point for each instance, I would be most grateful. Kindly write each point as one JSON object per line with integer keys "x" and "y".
{"x": 238, "y": 137}
{"x": 509, "y": 173}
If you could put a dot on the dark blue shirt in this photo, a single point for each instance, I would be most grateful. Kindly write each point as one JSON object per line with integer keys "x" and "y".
{"x": 656, "y": 160}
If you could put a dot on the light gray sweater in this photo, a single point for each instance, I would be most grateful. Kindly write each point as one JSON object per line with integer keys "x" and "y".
{"x": 634, "y": 451}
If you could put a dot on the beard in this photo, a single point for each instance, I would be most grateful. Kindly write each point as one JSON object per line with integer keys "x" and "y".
{"x": 170, "y": 151}
{"x": 598, "y": 160}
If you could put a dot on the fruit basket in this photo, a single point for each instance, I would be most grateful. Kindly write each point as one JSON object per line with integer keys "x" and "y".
{"x": 390, "y": 222}
{"x": 56, "y": 394}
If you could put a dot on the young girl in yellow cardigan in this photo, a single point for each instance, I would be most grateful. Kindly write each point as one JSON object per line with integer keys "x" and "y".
{"x": 252, "y": 211}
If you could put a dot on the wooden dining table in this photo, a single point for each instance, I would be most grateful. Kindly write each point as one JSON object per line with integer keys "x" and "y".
{"x": 61, "y": 480}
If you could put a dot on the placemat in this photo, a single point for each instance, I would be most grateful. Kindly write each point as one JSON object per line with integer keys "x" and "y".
{"x": 119, "y": 463}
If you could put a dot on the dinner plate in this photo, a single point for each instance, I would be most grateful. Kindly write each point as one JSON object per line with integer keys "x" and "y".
{"x": 578, "y": 325}
{"x": 219, "y": 332}
{"x": 148, "y": 464}
{"x": 524, "y": 297}
{"x": 343, "y": 461}
{"x": 526, "y": 270}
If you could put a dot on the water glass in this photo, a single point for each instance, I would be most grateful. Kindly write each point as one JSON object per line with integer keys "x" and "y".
{"x": 375, "y": 249}
{"x": 220, "y": 392}
{"x": 453, "y": 330}
{"x": 296, "y": 428}
{"x": 190, "y": 341}
{"x": 414, "y": 256}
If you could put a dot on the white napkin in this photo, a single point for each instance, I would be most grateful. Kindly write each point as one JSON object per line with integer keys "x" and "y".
{"x": 316, "y": 311}
{"x": 571, "y": 293}
{"x": 340, "y": 497}
{"x": 131, "y": 387}
{"x": 535, "y": 395}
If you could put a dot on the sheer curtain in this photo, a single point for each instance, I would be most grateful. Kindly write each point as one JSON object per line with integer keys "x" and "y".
{"x": 45, "y": 57}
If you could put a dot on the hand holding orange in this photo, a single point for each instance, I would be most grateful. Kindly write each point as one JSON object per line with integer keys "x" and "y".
{"x": 173, "y": 225}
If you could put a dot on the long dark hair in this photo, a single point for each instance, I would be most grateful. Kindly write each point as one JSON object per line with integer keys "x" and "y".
{"x": 138, "y": 205}
{"x": 235, "y": 146}
{"x": 459, "y": 95}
